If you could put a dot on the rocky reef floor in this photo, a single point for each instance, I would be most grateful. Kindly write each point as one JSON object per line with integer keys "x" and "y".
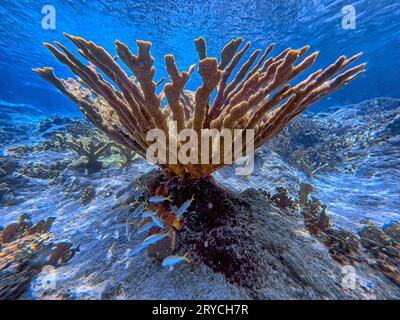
{"x": 268, "y": 251}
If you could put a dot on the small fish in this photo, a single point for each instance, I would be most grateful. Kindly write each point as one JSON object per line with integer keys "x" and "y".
{"x": 173, "y": 260}
{"x": 136, "y": 250}
{"x": 155, "y": 238}
{"x": 185, "y": 206}
{"x": 148, "y": 214}
{"x": 157, "y": 221}
{"x": 158, "y": 199}
{"x": 138, "y": 211}
{"x": 146, "y": 227}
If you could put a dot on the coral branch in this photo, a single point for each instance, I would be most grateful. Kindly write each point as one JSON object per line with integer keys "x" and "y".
{"x": 259, "y": 96}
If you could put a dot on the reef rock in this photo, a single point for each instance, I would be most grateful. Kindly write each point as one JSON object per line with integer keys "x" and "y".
{"x": 321, "y": 142}
{"x": 245, "y": 237}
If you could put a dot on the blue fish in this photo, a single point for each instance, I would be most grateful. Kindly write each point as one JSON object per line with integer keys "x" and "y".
{"x": 157, "y": 221}
{"x": 136, "y": 250}
{"x": 146, "y": 227}
{"x": 173, "y": 260}
{"x": 158, "y": 199}
{"x": 185, "y": 206}
{"x": 148, "y": 214}
{"x": 138, "y": 211}
{"x": 148, "y": 241}
{"x": 155, "y": 238}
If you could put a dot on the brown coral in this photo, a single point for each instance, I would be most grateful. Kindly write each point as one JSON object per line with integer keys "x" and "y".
{"x": 258, "y": 97}
{"x": 89, "y": 150}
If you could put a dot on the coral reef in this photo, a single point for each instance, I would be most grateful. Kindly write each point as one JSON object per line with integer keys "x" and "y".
{"x": 43, "y": 171}
{"x": 226, "y": 231}
{"x": 378, "y": 247}
{"x": 54, "y": 142}
{"x": 20, "y": 151}
{"x": 51, "y": 124}
{"x": 311, "y": 145}
{"x": 9, "y": 180}
{"x": 89, "y": 150}
{"x": 342, "y": 245}
{"x": 315, "y": 216}
{"x": 277, "y": 237}
{"x": 25, "y": 249}
{"x": 259, "y": 97}
{"x": 282, "y": 198}
{"x": 12, "y": 132}
{"x": 88, "y": 195}
{"x": 55, "y": 136}
{"x": 320, "y": 143}
{"x": 7, "y": 167}
{"x": 128, "y": 155}
{"x": 302, "y": 196}
{"x": 383, "y": 246}
{"x": 251, "y": 239}
{"x": 393, "y": 231}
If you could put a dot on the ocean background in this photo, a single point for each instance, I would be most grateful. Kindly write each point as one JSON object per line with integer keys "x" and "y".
{"x": 173, "y": 25}
{"x": 361, "y": 184}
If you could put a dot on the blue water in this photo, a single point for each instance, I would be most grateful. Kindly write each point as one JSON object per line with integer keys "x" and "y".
{"x": 172, "y": 26}
{"x": 361, "y": 187}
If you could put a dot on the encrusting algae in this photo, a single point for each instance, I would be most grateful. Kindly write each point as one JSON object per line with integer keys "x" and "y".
{"x": 258, "y": 97}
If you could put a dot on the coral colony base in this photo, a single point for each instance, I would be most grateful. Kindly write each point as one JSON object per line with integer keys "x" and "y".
{"x": 247, "y": 110}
